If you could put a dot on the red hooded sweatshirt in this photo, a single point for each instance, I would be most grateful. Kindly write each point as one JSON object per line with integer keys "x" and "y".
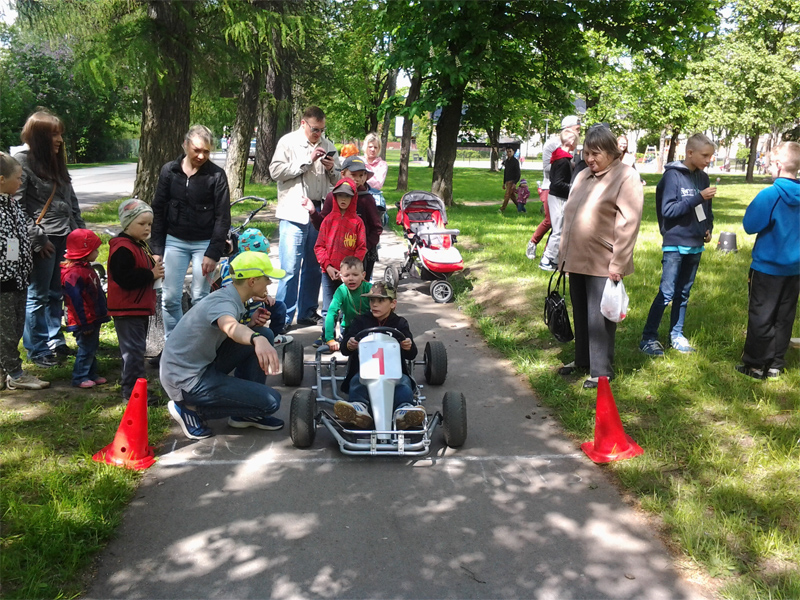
{"x": 340, "y": 234}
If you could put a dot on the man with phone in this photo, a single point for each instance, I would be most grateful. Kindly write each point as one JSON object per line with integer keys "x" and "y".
{"x": 305, "y": 167}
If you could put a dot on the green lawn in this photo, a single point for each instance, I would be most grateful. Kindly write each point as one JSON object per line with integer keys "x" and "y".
{"x": 721, "y": 466}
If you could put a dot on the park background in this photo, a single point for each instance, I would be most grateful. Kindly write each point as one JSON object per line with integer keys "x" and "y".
{"x": 720, "y": 474}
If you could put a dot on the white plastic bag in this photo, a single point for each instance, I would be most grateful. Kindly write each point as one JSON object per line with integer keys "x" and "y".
{"x": 614, "y": 303}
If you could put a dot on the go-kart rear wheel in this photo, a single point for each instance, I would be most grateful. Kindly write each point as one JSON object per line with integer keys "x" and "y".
{"x": 392, "y": 276}
{"x": 454, "y": 419}
{"x": 293, "y": 364}
{"x": 302, "y": 425}
{"x": 442, "y": 291}
{"x": 435, "y": 363}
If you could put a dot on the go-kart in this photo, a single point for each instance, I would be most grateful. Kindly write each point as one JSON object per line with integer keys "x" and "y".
{"x": 380, "y": 368}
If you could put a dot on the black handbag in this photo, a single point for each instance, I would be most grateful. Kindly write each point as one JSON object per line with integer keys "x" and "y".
{"x": 556, "y": 316}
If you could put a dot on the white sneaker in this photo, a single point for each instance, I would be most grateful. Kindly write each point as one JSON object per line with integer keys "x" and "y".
{"x": 26, "y": 382}
{"x": 353, "y": 412}
{"x": 530, "y": 252}
{"x": 546, "y": 265}
{"x": 282, "y": 339}
{"x": 407, "y": 416}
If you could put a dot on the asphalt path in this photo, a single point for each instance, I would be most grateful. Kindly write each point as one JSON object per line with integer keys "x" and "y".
{"x": 517, "y": 512}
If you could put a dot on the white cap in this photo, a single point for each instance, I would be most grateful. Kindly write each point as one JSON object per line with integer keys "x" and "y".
{"x": 570, "y": 121}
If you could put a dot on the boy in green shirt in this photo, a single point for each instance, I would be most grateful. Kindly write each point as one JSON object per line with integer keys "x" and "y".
{"x": 347, "y": 298}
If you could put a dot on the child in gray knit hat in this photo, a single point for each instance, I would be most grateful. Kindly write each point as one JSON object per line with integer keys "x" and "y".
{"x": 132, "y": 271}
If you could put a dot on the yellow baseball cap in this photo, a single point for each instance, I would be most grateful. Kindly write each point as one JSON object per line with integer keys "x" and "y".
{"x": 254, "y": 264}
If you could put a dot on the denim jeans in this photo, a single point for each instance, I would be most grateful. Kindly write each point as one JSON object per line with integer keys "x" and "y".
{"x": 44, "y": 307}
{"x": 245, "y": 394}
{"x": 677, "y": 277}
{"x": 555, "y": 212}
{"x": 178, "y": 254}
{"x": 403, "y": 391}
{"x": 277, "y": 317}
{"x": 299, "y": 289}
{"x": 85, "y": 367}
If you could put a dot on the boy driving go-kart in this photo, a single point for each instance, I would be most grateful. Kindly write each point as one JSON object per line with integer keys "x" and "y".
{"x": 382, "y": 302}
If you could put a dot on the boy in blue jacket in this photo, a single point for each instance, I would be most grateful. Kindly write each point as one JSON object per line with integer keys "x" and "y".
{"x": 683, "y": 207}
{"x": 774, "y": 282}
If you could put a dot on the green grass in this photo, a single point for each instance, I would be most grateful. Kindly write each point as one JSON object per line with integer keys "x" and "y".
{"x": 721, "y": 451}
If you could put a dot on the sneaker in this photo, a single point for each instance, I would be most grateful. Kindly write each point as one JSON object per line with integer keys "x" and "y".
{"x": 546, "y": 265}
{"x": 84, "y": 384}
{"x": 530, "y": 251}
{"x": 571, "y": 368}
{"x": 682, "y": 345}
{"x": 318, "y": 342}
{"x": 651, "y": 347}
{"x": 406, "y": 416}
{"x": 45, "y": 361}
{"x": 314, "y": 319}
{"x": 774, "y": 373}
{"x": 353, "y": 412}
{"x": 25, "y": 382}
{"x": 100, "y": 380}
{"x": 192, "y": 425}
{"x": 750, "y": 371}
{"x": 155, "y": 360}
{"x": 266, "y": 423}
{"x": 282, "y": 340}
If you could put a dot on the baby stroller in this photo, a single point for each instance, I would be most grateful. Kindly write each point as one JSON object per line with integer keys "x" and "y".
{"x": 431, "y": 255}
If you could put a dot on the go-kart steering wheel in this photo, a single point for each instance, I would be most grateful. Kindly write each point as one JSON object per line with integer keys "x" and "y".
{"x": 395, "y": 333}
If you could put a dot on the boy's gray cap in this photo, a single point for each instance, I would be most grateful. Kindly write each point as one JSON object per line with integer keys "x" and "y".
{"x": 570, "y": 121}
{"x": 380, "y": 290}
{"x": 343, "y": 188}
{"x": 354, "y": 164}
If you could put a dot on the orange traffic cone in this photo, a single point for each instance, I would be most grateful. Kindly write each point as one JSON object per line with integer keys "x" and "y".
{"x": 129, "y": 448}
{"x": 610, "y": 440}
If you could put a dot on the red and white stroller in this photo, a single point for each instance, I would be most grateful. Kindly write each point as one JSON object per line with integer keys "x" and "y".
{"x": 431, "y": 254}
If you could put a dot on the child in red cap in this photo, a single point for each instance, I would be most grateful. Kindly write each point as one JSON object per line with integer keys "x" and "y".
{"x": 86, "y": 304}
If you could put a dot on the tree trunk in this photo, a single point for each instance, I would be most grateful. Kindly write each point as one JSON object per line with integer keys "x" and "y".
{"x": 660, "y": 158}
{"x": 446, "y": 146}
{"x": 673, "y": 145}
{"x": 242, "y": 132}
{"x": 408, "y": 125}
{"x": 387, "y": 116}
{"x": 274, "y": 114}
{"x": 493, "y": 134}
{"x": 167, "y": 92}
{"x": 751, "y": 161}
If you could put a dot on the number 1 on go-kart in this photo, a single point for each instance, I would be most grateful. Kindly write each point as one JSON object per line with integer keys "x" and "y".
{"x": 379, "y": 358}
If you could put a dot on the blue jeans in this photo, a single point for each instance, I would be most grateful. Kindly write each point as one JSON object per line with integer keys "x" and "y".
{"x": 329, "y": 287}
{"x": 177, "y": 256}
{"x": 677, "y": 276}
{"x": 277, "y": 317}
{"x": 44, "y": 307}
{"x": 85, "y": 367}
{"x": 299, "y": 289}
{"x": 403, "y": 391}
{"x": 246, "y": 394}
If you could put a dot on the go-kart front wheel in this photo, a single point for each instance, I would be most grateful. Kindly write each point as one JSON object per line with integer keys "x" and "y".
{"x": 293, "y": 364}
{"x": 454, "y": 419}
{"x": 391, "y": 276}
{"x": 435, "y": 363}
{"x": 442, "y": 291}
{"x": 302, "y": 425}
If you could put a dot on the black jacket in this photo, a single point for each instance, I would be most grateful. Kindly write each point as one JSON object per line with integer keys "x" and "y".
{"x": 192, "y": 208}
{"x": 365, "y": 321}
{"x": 511, "y": 170}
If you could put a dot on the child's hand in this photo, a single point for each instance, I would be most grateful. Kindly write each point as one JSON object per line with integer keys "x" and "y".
{"x": 332, "y": 272}
{"x": 158, "y": 269}
{"x": 333, "y": 345}
{"x": 269, "y": 300}
{"x": 406, "y": 344}
{"x": 352, "y": 344}
{"x": 259, "y": 318}
{"x": 707, "y": 236}
{"x": 308, "y": 205}
{"x": 709, "y": 193}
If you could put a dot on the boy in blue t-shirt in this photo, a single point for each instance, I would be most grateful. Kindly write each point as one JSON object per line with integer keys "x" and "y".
{"x": 774, "y": 282}
{"x": 252, "y": 240}
{"x": 683, "y": 207}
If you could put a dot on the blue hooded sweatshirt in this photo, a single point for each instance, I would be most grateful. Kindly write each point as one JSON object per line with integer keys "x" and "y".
{"x": 774, "y": 214}
{"x": 677, "y": 195}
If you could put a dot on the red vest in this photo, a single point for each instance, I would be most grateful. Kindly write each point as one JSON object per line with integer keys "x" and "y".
{"x": 139, "y": 302}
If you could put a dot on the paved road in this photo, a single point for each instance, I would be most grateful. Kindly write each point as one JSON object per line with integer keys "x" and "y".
{"x": 518, "y": 512}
